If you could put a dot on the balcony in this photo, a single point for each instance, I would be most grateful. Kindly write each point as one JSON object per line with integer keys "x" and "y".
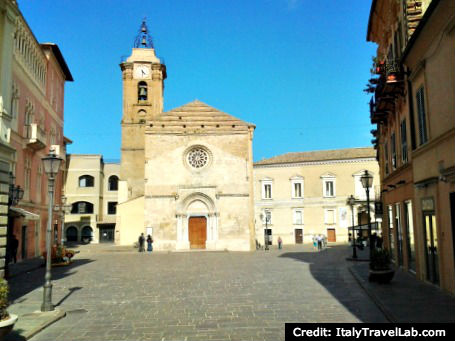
{"x": 387, "y": 88}
{"x": 36, "y": 137}
{"x": 391, "y": 80}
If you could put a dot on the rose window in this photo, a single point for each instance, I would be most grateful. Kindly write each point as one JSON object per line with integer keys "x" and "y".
{"x": 198, "y": 158}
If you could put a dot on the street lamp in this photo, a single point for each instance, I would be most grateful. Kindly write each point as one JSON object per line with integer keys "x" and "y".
{"x": 15, "y": 194}
{"x": 367, "y": 182}
{"x": 64, "y": 209}
{"x": 51, "y": 164}
{"x": 266, "y": 232}
{"x": 351, "y": 202}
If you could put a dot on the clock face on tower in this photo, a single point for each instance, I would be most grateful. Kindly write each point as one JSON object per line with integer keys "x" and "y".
{"x": 141, "y": 71}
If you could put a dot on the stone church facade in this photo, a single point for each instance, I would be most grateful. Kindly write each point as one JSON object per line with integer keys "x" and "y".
{"x": 186, "y": 175}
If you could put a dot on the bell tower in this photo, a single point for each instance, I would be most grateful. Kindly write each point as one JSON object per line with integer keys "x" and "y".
{"x": 143, "y": 77}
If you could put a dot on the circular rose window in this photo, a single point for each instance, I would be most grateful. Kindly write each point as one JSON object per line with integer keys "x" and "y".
{"x": 197, "y": 158}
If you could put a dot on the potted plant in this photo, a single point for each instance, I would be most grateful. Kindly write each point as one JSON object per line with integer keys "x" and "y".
{"x": 7, "y": 321}
{"x": 380, "y": 269}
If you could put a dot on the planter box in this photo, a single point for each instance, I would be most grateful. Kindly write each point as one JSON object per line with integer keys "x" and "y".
{"x": 381, "y": 276}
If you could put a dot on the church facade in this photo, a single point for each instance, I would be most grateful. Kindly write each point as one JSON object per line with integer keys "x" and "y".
{"x": 186, "y": 175}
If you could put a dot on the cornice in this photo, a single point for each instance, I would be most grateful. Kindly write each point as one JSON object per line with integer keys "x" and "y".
{"x": 313, "y": 163}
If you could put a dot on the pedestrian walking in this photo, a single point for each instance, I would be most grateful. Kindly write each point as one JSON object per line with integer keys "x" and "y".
{"x": 315, "y": 242}
{"x": 141, "y": 242}
{"x": 319, "y": 241}
{"x": 149, "y": 243}
{"x": 280, "y": 243}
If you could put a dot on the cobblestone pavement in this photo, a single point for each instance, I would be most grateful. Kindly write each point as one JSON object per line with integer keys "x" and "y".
{"x": 197, "y": 295}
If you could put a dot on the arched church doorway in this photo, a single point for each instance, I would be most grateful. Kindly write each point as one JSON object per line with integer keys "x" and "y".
{"x": 197, "y": 232}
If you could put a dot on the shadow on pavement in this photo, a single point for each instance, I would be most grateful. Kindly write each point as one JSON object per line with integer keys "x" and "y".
{"x": 328, "y": 267}
{"x": 24, "y": 283}
{"x": 15, "y": 335}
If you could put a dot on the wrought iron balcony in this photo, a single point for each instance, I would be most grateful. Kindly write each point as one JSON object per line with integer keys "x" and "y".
{"x": 36, "y": 137}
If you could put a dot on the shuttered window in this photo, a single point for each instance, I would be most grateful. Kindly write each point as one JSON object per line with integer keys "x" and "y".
{"x": 421, "y": 116}
{"x": 404, "y": 142}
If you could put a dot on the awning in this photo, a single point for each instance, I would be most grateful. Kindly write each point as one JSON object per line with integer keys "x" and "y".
{"x": 28, "y": 215}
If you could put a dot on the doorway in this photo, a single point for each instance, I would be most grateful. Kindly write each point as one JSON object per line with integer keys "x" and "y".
{"x": 197, "y": 230}
{"x": 87, "y": 234}
{"x": 331, "y": 235}
{"x": 431, "y": 247}
{"x": 71, "y": 234}
{"x": 298, "y": 236}
{"x": 452, "y": 216}
{"x": 107, "y": 233}
{"x": 24, "y": 242}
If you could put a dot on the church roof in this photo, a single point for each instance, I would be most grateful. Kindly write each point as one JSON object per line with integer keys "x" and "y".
{"x": 197, "y": 117}
{"x": 320, "y": 155}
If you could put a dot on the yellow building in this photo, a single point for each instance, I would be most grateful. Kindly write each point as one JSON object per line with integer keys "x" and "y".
{"x": 304, "y": 194}
{"x": 414, "y": 109}
{"x": 91, "y": 189}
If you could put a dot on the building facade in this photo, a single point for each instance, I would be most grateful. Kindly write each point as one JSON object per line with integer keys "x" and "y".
{"x": 304, "y": 194}
{"x": 186, "y": 174}
{"x": 8, "y": 16}
{"x": 413, "y": 107}
{"x": 91, "y": 190}
{"x": 39, "y": 73}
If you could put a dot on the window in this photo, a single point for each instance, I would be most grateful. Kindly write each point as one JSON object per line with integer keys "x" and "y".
{"x": 297, "y": 188}
{"x": 394, "y": 151}
{"x": 410, "y": 236}
{"x": 399, "y": 233}
{"x": 113, "y": 183}
{"x": 386, "y": 158}
{"x": 39, "y": 177}
{"x": 197, "y": 157}
{"x": 266, "y": 189}
{"x": 391, "y": 231}
{"x": 112, "y": 207}
{"x": 421, "y": 116}
{"x": 86, "y": 181}
{"x": 329, "y": 216}
{"x": 27, "y": 178}
{"x": 142, "y": 91}
{"x": 298, "y": 216}
{"x": 328, "y": 187}
{"x": 404, "y": 143}
{"x": 81, "y": 207}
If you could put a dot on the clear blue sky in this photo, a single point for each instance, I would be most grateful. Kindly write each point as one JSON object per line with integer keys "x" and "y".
{"x": 295, "y": 68}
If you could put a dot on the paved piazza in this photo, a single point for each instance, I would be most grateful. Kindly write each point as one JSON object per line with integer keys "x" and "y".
{"x": 112, "y": 293}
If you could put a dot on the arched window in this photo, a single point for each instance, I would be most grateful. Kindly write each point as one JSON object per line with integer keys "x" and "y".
{"x": 86, "y": 181}
{"x": 142, "y": 91}
{"x": 81, "y": 207}
{"x": 113, "y": 183}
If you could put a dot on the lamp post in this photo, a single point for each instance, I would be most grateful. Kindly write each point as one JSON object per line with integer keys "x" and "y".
{"x": 51, "y": 164}
{"x": 351, "y": 201}
{"x": 266, "y": 232}
{"x": 15, "y": 194}
{"x": 367, "y": 182}
{"x": 64, "y": 209}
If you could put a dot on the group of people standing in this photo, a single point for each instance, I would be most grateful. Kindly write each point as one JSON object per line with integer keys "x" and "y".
{"x": 319, "y": 242}
{"x": 141, "y": 243}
